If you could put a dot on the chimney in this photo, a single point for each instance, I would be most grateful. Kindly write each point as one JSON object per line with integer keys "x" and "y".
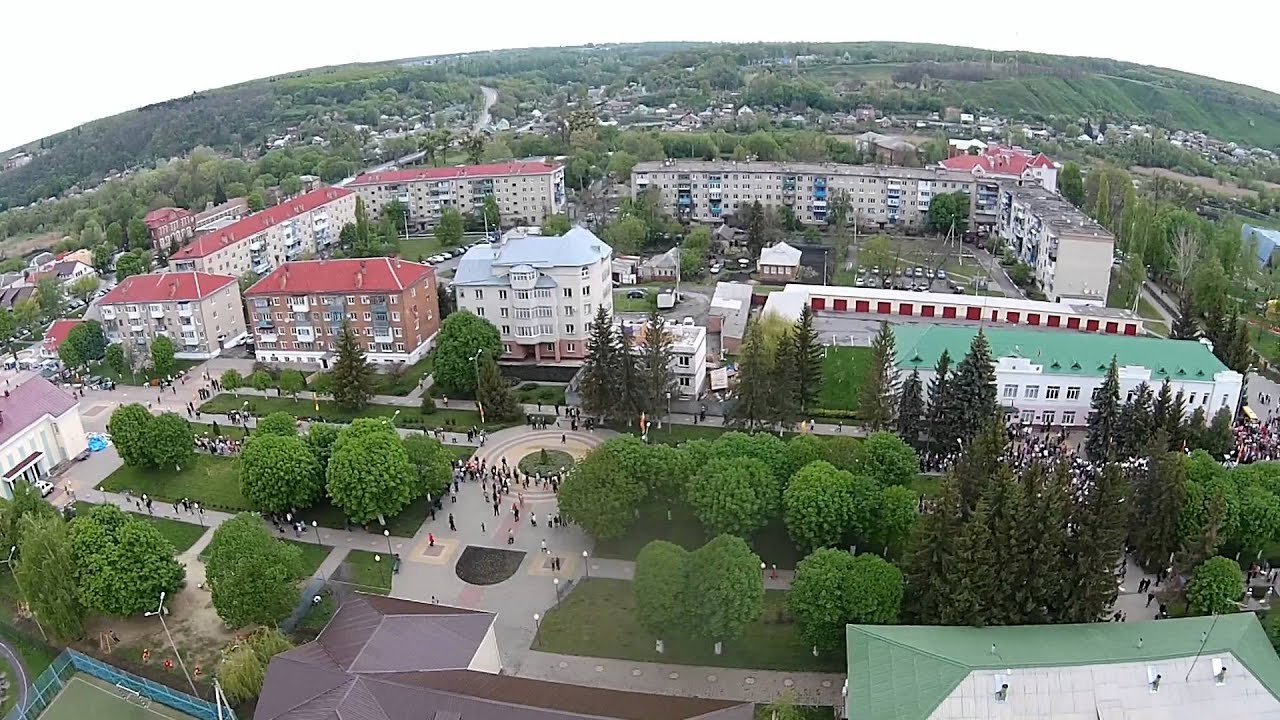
{"x": 1155, "y": 684}
{"x": 1003, "y": 692}
{"x": 1221, "y": 677}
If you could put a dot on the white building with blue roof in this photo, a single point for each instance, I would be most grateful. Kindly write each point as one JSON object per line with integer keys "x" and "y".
{"x": 540, "y": 291}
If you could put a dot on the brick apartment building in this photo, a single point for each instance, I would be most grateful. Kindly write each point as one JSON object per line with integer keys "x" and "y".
{"x": 526, "y": 191}
{"x": 199, "y": 312}
{"x": 169, "y": 227}
{"x": 266, "y": 239}
{"x": 298, "y": 310}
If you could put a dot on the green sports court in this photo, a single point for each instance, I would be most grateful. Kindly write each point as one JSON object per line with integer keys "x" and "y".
{"x": 84, "y": 696}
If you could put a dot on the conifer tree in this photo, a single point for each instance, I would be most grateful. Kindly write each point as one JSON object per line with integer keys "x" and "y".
{"x": 911, "y": 418}
{"x": 877, "y": 401}
{"x": 1159, "y": 496}
{"x": 941, "y": 417}
{"x": 352, "y": 378}
{"x": 932, "y": 549}
{"x": 1137, "y": 422}
{"x": 1095, "y": 546}
{"x": 655, "y": 359}
{"x": 1175, "y": 421}
{"x": 494, "y": 392}
{"x": 805, "y": 361}
{"x": 1006, "y": 576}
{"x": 629, "y": 396}
{"x": 1104, "y": 416}
{"x": 599, "y": 384}
{"x": 980, "y": 461}
{"x": 753, "y": 394}
{"x": 973, "y": 388}
{"x": 1184, "y": 325}
{"x": 1162, "y": 405}
{"x": 969, "y": 574}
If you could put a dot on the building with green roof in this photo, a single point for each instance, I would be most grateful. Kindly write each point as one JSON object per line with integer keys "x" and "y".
{"x": 1049, "y": 376}
{"x": 1191, "y": 668}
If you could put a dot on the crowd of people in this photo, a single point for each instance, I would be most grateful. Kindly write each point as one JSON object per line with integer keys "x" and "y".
{"x": 218, "y": 445}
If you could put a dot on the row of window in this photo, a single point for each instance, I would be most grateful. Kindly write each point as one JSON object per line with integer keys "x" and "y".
{"x": 1054, "y": 392}
{"x": 531, "y": 330}
{"x": 1048, "y": 417}
{"x": 372, "y": 346}
{"x": 327, "y": 300}
{"x": 835, "y": 182}
{"x": 549, "y": 347}
{"x": 331, "y": 316}
{"x": 325, "y": 330}
{"x": 478, "y": 293}
{"x": 543, "y": 311}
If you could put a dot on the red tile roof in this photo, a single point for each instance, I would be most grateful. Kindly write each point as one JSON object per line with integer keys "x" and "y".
{"x": 339, "y": 276}
{"x": 57, "y": 332}
{"x": 999, "y": 160}
{"x": 166, "y": 287}
{"x": 515, "y": 167}
{"x": 251, "y": 225}
{"x": 163, "y": 216}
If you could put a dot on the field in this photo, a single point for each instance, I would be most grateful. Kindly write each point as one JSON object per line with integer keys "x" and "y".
{"x": 622, "y": 303}
{"x": 84, "y": 695}
{"x": 772, "y": 543}
{"x": 843, "y": 372}
{"x": 1206, "y": 183}
{"x": 367, "y": 573}
{"x": 211, "y": 481}
{"x": 419, "y": 248}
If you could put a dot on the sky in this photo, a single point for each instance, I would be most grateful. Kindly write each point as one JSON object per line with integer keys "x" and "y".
{"x": 66, "y": 62}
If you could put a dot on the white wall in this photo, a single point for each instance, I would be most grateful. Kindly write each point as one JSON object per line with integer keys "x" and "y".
{"x": 487, "y": 658}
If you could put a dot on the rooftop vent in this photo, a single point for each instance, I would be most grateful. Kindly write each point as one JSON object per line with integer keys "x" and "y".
{"x": 1219, "y": 672}
{"x": 1153, "y": 680}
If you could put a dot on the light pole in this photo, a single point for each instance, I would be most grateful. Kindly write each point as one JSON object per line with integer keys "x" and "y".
{"x": 9, "y": 561}
{"x": 669, "y": 428}
{"x": 387, "y": 534}
{"x": 160, "y": 612}
{"x": 200, "y": 513}
{"x": 316, "y": 527}
{"x": 557, "y": 584}
{"x": 586, "y": 563}
{"x": 537, "y": 620}
{"x": 475, "y": 360}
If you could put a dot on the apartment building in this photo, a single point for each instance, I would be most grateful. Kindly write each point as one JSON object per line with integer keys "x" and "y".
{"x": 879, "y": 196}
{"x": 526, "y": 191}
{"x": 540, "y": 291}
{"x": 688, "y": 355}
{"x": 216, "y": 217}
{"x": 169, "y": 227}
{"x": 299, "y": 309}
{"x": 1070, "y": 252}
{"x": 257, "y": 243}
{"x": 995, "y": 166}
{"x": 201, "y": 313}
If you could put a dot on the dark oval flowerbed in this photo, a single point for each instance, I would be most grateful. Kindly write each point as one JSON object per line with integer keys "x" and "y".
{"x": 487, "y": 566}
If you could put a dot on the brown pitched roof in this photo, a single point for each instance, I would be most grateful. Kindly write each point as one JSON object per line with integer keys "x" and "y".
{"x": 389, "y": 659}
{"x": 30, "y": 401}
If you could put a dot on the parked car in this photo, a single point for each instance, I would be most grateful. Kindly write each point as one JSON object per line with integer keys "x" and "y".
{"x": 637, "y": 294}
{"x": 44, "y": 487}
{"x": 941, "y": 274}
{"x": 908, "y": 272}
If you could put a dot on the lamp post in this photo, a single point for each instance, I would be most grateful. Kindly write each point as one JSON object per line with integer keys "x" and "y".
{"x": 586, "y": 563}
{"x": 537, "y": 620}
{"x": 556, "y": 581}
{"x": 316, "y": 527}
{"x": 9, "y": 561}
{"x": 475, "y": 360}
{"x": 199, "y": 512}
{"x": 160, "y": 612}
{"x": 670, "y": 429}
{"x": 387, "y": 534}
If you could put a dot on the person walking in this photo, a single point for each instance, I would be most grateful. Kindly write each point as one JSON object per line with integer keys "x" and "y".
{"x": 452, "y": 527}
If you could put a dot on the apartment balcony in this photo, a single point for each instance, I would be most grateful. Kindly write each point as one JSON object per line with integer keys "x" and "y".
{"x": 293, "y": 252}
{"x": 714, "y": 192}
{"x": 156, "y": 311}
{"x": 820, "y": 205}
{"x": 262, "y": 267}
{"x": 267, "y": 336}
{"x": 108, "y": 313}
{"x": 135, "y": 329}
{"x": 683, "y": 186}
{"x": 403, "y": 199}
{"x": 256, "y": 246}
{"x": 299, "y": 306}
{"x": 304, "y": 333}
{"x": 135, "y": 315}
{"x": 163, "y": 333}
{"x": 382, "y": 335}
{"x": 190, "y": 340}
{"x": 893, "y": 202}
{"x": 184, "y": 310}
{"x": 291, "y": 240}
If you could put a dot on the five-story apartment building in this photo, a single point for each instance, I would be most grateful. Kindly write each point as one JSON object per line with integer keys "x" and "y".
{"x": 298, "y": 311}
{"x": 199, "y": 312}
{"x": 303, "y": 225}
{"x": 526, "y": 191}
{"x": 884, "y": 196}
{"x": 1070, "y": 252}
{"x": 540, "y": 291}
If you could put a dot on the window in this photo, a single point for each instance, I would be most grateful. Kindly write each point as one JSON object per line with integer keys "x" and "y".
{"x": 1031, "y": 392}
{"x": 480, "y": 311}
{"x": 542, "y": 293}
{"x": 351, "y": 299}
{"x": 395, "y": 317}
{"x": 1073, "y": 392}
{"x": 1048, "y": 416}
{"x": 1028, "y": 416}
{"x": 570, "y": 347}
{"x": 399, "y": 347}
{"x": 586, "y": 272}
{"x": 364, "y": 299}
{"x": 568, "y": 311}
{"x": 1192, "y": 399}
{"x": 568, "y": 292}
{"x": 1010, "y": 391}
{"x": 569, "y": 329}
{"x": 522, "y": 294}
{"x": 502, "y": 294}
{"x": 1069, "y": 417}
{"x": 502, "y": 312}
{"x": 1051, "y": 392}
{"x": 586, "y": 291}
{"x": 367, "y": 316}
{"x": 1094, "y": 395}
{"x": 479, "y": 294}
{"x": 506, "y": 348}
{"x": 683, "y": 360}
{"x": 524, "y": 313}
{"x": 397, "y": 332}
{"x": 1205, "y": 399}
{"x": 506, "y": 329}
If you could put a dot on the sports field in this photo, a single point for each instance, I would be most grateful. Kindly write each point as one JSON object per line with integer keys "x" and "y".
{"x": 84, "y": 696}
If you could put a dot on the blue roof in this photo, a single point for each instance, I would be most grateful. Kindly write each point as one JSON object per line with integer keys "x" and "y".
{"x": 577, "y": 248}
{"x": 1266, "y": 241}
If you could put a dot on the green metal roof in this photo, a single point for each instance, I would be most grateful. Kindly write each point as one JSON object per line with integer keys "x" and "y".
{"x": 904, "y": 672}
{"x": 1061, "y": 352}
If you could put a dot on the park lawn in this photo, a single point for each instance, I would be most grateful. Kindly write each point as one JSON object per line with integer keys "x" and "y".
{"x": 409, "y": 416}
{"x": 675, "y": 433}
{"x": 367, "y": 573}
{"x": 622, "y": 303}
{"x": 927, "y": 485}
{"x": 142, "y": 378}
{"x": 401, "y": 382}
{"x": 235, "y": 432}
{"x": 313, "y": 622}
{"x": 1152, "y": 318}
{"x": 461, "y": 452}
{"x": 404, "y": 525}
{"x": 182, "y": 535}
{"x": 844, "y": 371}
{"x": 419, "y": 248}
{"x": 533, "y": 393}
{"x": 214, "y": 482}
{"x": 772, "y": 543}
{"x": 312, "y": 554}
{"x": 598, "y": 619}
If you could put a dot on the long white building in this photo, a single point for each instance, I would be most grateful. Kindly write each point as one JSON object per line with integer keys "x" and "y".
{"x": 1050, "y": 378}
{"x": 540, "y": 291}
{"x": 688, "y": 355}
{"x": 1070, "y": 252}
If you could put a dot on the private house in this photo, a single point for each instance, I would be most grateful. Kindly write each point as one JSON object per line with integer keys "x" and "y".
{"x": 780, "y": 263}
{"x": 40, "y": 428}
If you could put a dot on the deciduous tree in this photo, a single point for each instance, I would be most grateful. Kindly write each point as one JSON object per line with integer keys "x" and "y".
{"x": 320, "y": 440}
{"x": 278, "y": 473}
{"x": 948, "y": 211}
{"x": 231, "y": 381}
{"x": 449, "y": 228}
{"x": 1071, "y": 183}
{"x": 169, "y": 441}
{"x": 46, "y": 571}
{"x": 823, "y": 506}
{"x": 462, "y": 335}
{"x": 556, "y": 225}
{"x": 1216, "y": 587}
{"x": 277, "y": 423}
{"x": 369, "y": 476}
{"x": 600, "y": 496}
{"x": 128, "y": 428}
{"x": 260, "y": 380}
{"x": 833, "y": 588}
{"x": 736, "y": 496}
{"x": 432, "y": 465}
{"x": 252, "y": 575}
{"x": 660, "y": 585}
{"x": 885, "y": 458}
{"x": 123, "y": 563}
{"x": 724, "y": 576}
{"x": 163, "y": 363}
{"x": 291, "y": 382}
{"x": 626, "y": 235}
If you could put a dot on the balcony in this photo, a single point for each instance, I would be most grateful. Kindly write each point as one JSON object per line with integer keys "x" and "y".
{"x": 256, "y": 246}
{"x": 190, "y": 340}
{"x": 156, "y": 311}
{"x": 267, "y": 336}
{"x": 382, "y": 335}
{"x": 293, "y": 252}
{"x": 893, "y": 202}
{"x": 299, "y": 305}
{"x": 262, "y": 267}
{"x": 108, "y": 313}
{"x": 291, "y": 239}
{"x": 135, "y": 315}
{"x": 304, "y": 333}
{"x": 135, "y": 329}
{"x": 820, "y": 205}
{"x": 184, "y": 310}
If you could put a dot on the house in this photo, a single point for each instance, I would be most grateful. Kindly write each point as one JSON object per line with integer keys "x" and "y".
{"x": 886, "y": 149}
{"x": 15, "y": 294}
{"x": 864, "y": 113}
{"x": 689, "y": 121}
{"x": 1000, "y": 163}
{"x": 169, "y": 227}
{"x": 1176, "y": 669}
{"x": 40, "y": 429}
{"x": 688, "y": 348}
{"x": 1264, "y": 242}
{"x": 725, "y": 236}
{"x": 730, "y": 309}
{"x": 664, "y": 267}
{"x": 66, "y": 271}
{"x": 779, "y": 262}
{"x": 54, "y": 336}
{"x": 40, "y": 259}
{"x": 221, "y": 215}
{"x": 383, "y": 658}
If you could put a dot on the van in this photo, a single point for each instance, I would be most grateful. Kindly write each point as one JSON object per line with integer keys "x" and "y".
{"x": 1250, "y": 417}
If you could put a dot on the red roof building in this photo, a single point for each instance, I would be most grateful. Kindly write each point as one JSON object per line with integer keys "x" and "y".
{"x": 169, "y": 226}
{"x": 379, "y": 274}
{"x": 55, "y": 335}
{"x": 201, "y": 313}
{"x": 166, "y": 287}
{"x": 1001, "y": 162}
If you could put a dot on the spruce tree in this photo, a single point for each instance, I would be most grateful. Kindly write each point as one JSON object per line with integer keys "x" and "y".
{"x": 352, "y": 378}
{"x": 599, "y": 383}
{"x": 974, "y": 388}
{"x": 911, "y": 418}
{"x": 1159, "y": 496}
{"x": 941, "y": 418}
{"x": 753, "y": 394}
{"x": 655, "y": 360}
{"x": 1095, "y": 546}
{"x": 1104, "y": 416}
{"x": 877, "y": 400}
{"x": 630, "y": 400}
{"x": 981, "y": 460}
{"x": 1006, "y": 575}
{"x": 1137, "y": 423}
{"x": 1162, "y": 405}
{"x": 494, "y": 393}
{"x": 805, "y": 362}
{"x": 969, "y": 577}
{"x": 1042, "y": 536}
{"x": 1184, "y": 325}
{"x": 1175, "y": 421}
{"x": 931, "y": 554}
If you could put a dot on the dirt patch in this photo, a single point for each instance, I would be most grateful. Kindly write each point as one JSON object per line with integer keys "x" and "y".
{"x": 1229, "y": 189}
{"x": 23, "y": 245}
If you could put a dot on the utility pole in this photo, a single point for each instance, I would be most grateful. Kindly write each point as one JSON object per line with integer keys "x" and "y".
{"x": 160, "y": 613}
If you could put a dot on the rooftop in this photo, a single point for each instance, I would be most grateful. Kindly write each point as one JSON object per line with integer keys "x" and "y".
{"x": 780, "y": 254}
{"x": 1056, "y": 211}
{"x": 577, "y": 248}
{"x": 163, "y": 216}
{"x": 378, "y": 274}
{"x": 33, "y": 399}
{"x": 916, "y": 298}
{"x": 251, "y": 225}
{"x": 166, "y": 287}
{"x": 57, "y": 332}
{"x": 796, "y": 168}
{"x": 997, "y": 160}
{"x": 515, "y": 167}
{"x": 732, "y": 302}
{"x": 1061, "y": 353}
{"x": 1094, "y": 671}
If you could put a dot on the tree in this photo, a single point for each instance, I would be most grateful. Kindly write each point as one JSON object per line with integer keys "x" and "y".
{"x": 163, "y": 363}
{"x": 9, "y": 331}
{"x": 694, "y": 250}
{"x": 449, "y": 228}
{"x": 1137, "y": 422}
{"x": 88, "y": 339}
{"x": 973, "y": 388}
{"x": 805, "y": 361}
{"x": 1216, "y": 587}
{"x": 85, "y": 287}
{"x": 1095, "y": 546}
{"x": 474, "y": 146}
{"x": 128, "y": 428}
{"x": 1159, "y": 497}
{"x": 1104, "y": 416}
{"x": 556, "y": 225}
{"x": 660, "y": 582}
{"x": 1071, "y": 183}
{"x": 168, "y": 438}
{"x": 598, "y": 385}
{"x": 116, "y": 360}
{"x": 25, "y": 503}
{"x": 949, "y": 212}
{"x": 887, "y": 459}
{"x": 897, "y": 516}
{"x": 737, "y": 496}
{"x": 833, "y": 588}
{"x": 755, "y": 394}
{"x": 123, "y": 563}
{"x": 823, "y": 506}
{"x": 877, "y": 399}
{"x": 911, "y": 415}
{"x": 369, "y": 475}
{"x": 278, "y": 472}
{"x": 71, "y": 355}
{"x": 1185, "y": 326}
{"x": 102, "y": 256}
{"x": 497, "y": 400}
{"x": 627, "y": 235}
{"x": 139, "y": 236}
{"x": 260, "y": 380}
{"x": 115, "y": 235}
{"x": 930, "y": 558}
{"x": 725, "y": 577}
{"x": 253, "y": 576}
{"x": 291, "y": 382}
{"x": 49, "y": 296}
{"x": 432, "y": 464}
{"x": 243, "y": 669}
{"x": 600, "y": 496}
{"x": 877, "y": 251}
{"x": 757, "y": 232}
{"x": 351, "y": 377}
{"x": 492, "y": 215}
{"x": 46, "y": 571}
{"x": 256, "y": 201}
{"x": 320, "y": 439}
{"x": 132, "y": 263}
{"x": 620, "y": 165}
{"x": 462, "y": 336}
{"x": 1102, "y": 201}
{"x": 231, "y": 380}
{"x": 656, "y": 359}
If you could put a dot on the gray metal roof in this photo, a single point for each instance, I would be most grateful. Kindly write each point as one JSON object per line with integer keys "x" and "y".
{"x": 577, "y": 248}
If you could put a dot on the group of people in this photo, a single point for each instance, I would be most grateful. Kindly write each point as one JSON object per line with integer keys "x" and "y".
{"x": 218, "y": 445}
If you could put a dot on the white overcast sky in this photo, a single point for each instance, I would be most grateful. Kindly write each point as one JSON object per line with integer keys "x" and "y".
{"x": 67, "y": 62}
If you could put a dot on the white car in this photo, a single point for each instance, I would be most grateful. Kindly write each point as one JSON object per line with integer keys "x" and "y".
{"x": 45, "y": 487}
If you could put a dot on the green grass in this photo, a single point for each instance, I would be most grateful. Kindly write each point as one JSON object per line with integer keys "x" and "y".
{"x": 419, "y": 248}
{"x": 927, "y": 485}
{"x": 598, "y": 619}
{"x": 622, "y": 303}
{"x": 676, "y": 433}
{"x": 843, "y": 373}
{"x": 142, "y": 378}
{"x": 802, "y": 712}
{"x": 461, "y": 452}
{"x": 533, "y": 393}
{"x": 211, "y": 481}
{"x": 410, "y": 416}
{"x": 400, "y": 382}
{"x": 180, "y": 533}
{"x": 35, "y": 654}
{"x": 314, "y": 621}
{"x": 235, "y": 432}
{"x": 556, "y": 461}
{"x": 1152, "y": 318}
{"x": 772, "y": 543}
{"x": 312, "y": 554}
{"x": 367, "y": 574}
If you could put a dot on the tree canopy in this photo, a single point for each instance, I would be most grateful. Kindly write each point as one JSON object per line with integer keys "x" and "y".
{"x": 123, "y": 563}
{"x": 462, "y": 335}
{"x": 369, "y": 475}
{"x": 253, "y": 576}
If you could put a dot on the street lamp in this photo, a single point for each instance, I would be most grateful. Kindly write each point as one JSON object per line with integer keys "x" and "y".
{"x": 160, "y": 613}
{"x": 475, "y": 360}
{"x": 199, "y": 512}
{"x": 762, "y": 570}
{"x": 586, "y": 564}
{"x": 9, "y": 561}
{"x": 669, "y": 428}
{"x": 537, "y": 620}
{"x": 557, "y": 584}
{"x": 316, "y": 526}
{"x": 387, "y": 534}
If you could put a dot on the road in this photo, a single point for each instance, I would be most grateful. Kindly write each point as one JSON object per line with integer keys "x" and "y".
{"x": 490, "y": 97}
